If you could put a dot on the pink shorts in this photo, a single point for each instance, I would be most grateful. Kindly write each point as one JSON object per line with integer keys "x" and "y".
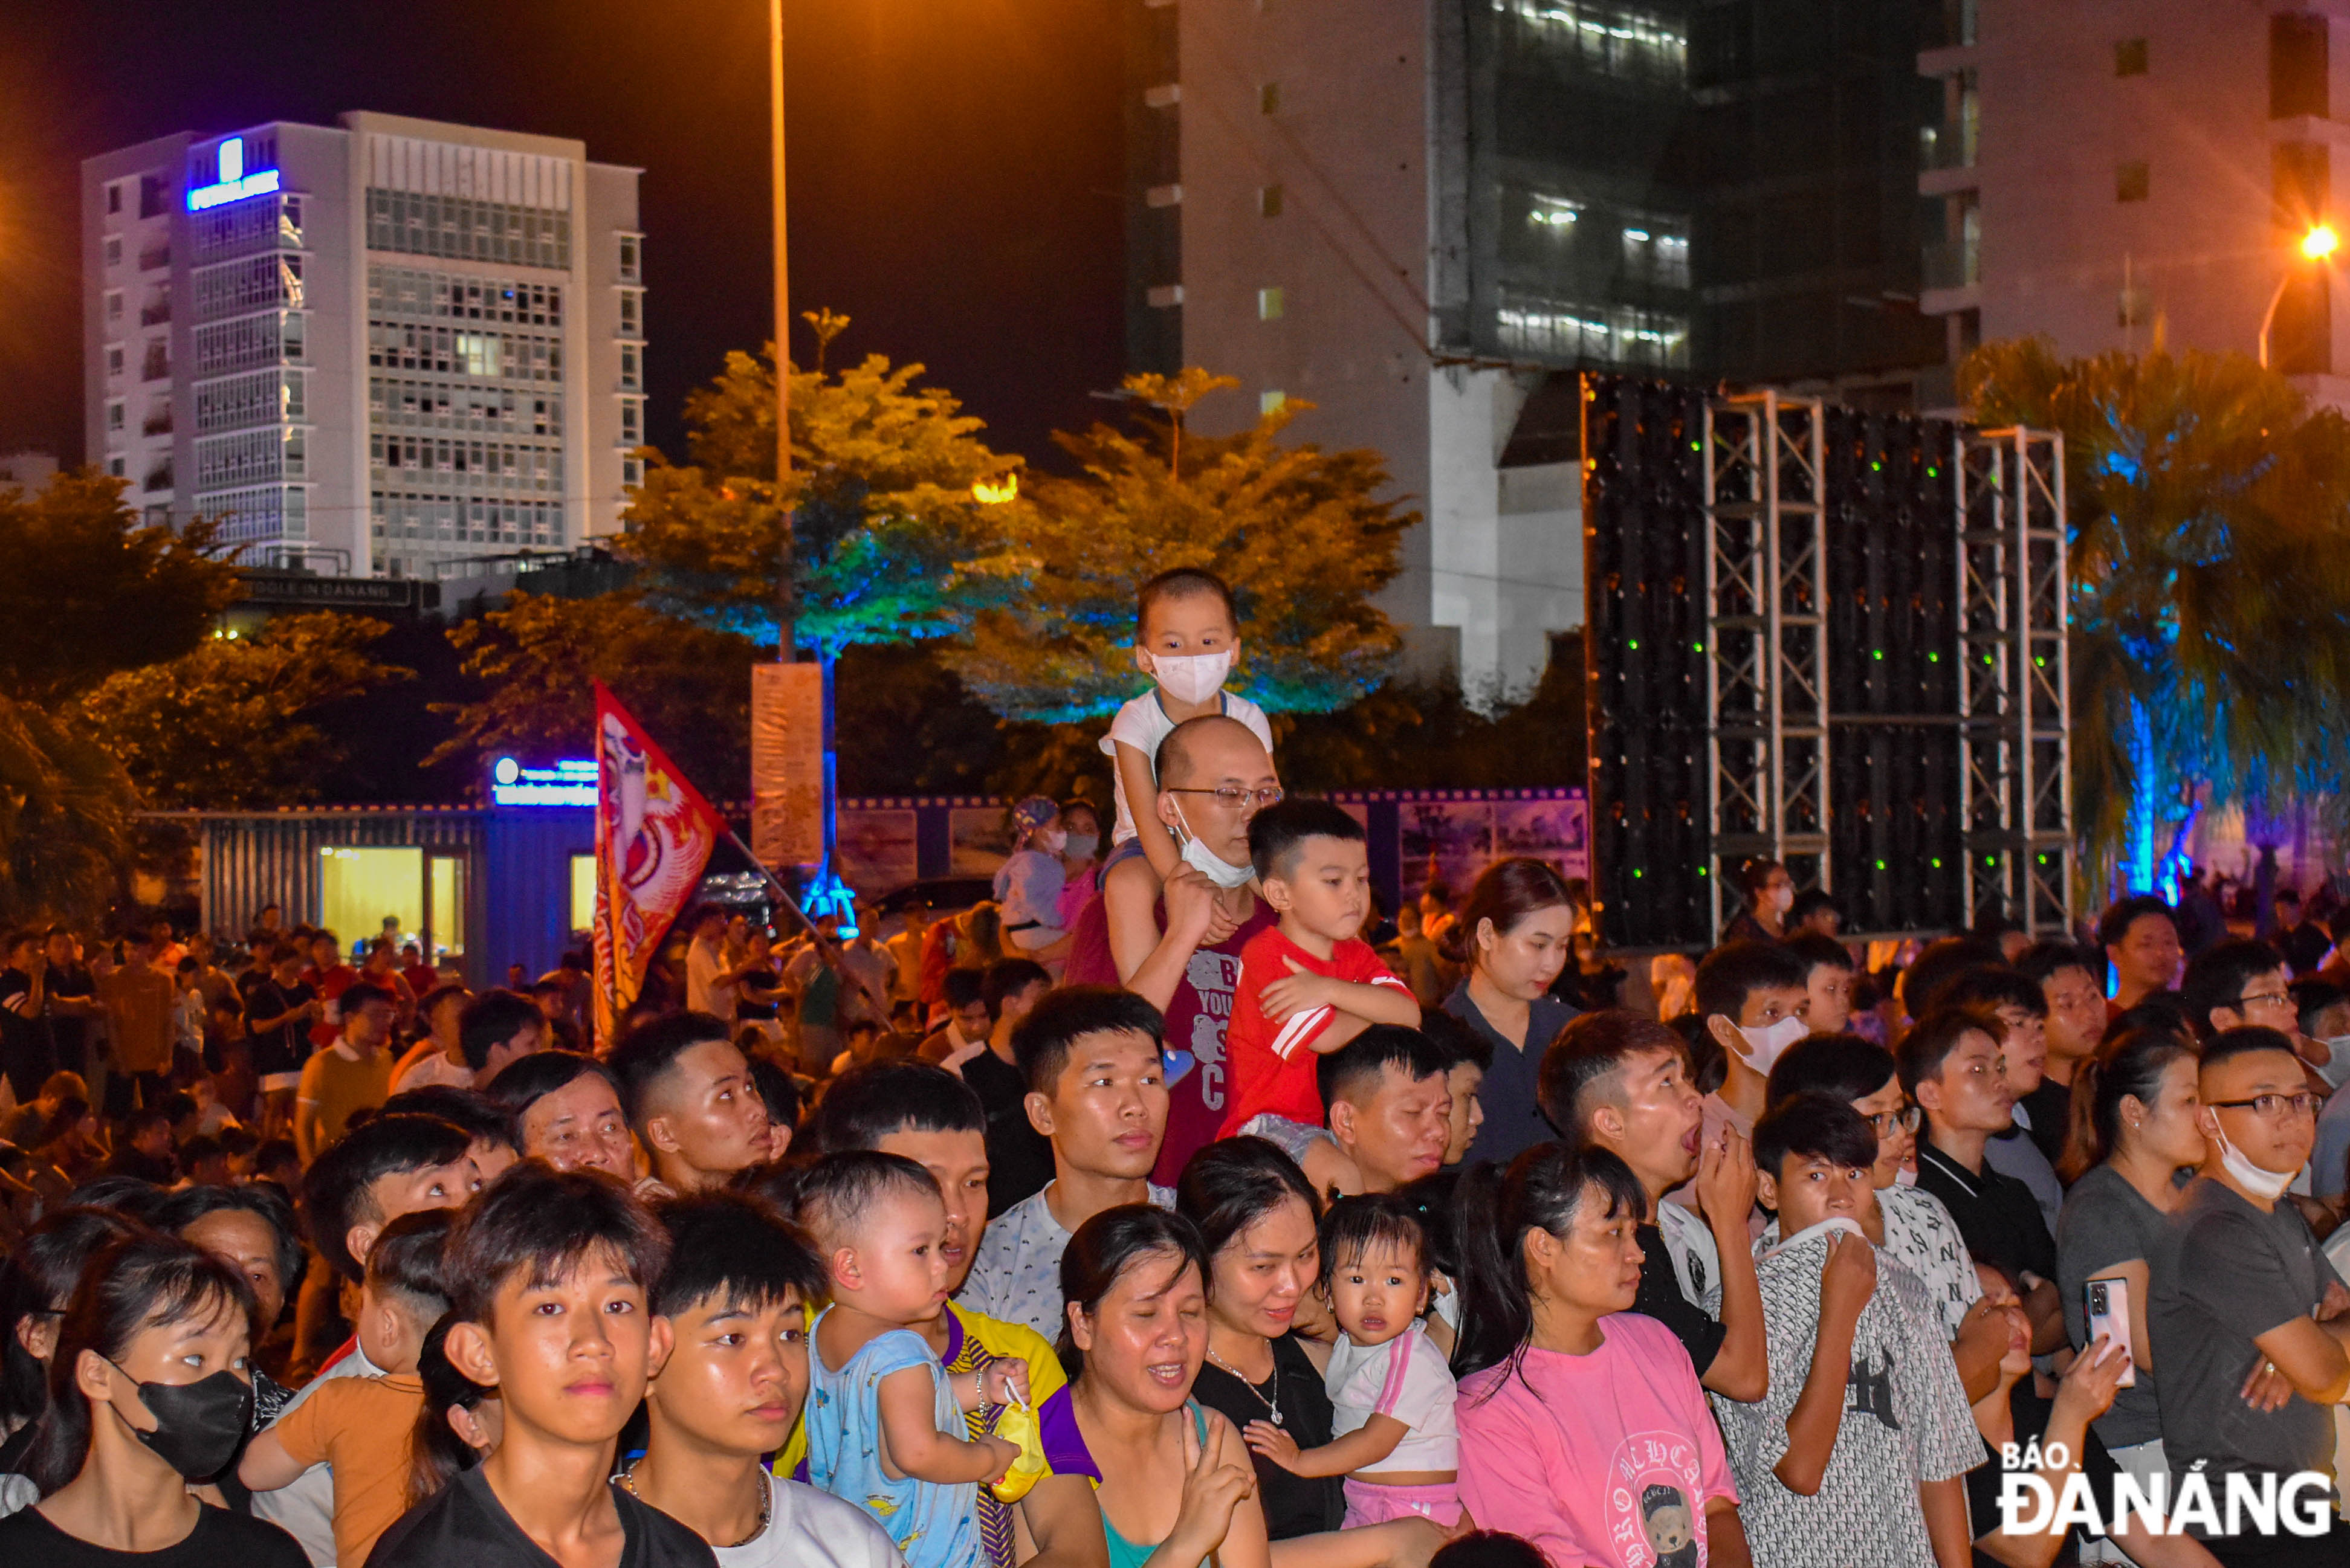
{"x": 1369, "y": 1504}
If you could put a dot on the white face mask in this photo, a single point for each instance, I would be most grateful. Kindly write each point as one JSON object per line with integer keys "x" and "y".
{"x": 2336, "y": 1071}
{"x": 1191, "y": 677}
{"x": 1055, "y": 839}
{"x": 1782, "y": 899}
{"x": 1765, "y": 1046}
{"x": 1205, "y": 861}
{"x": 2254, "y": 1179}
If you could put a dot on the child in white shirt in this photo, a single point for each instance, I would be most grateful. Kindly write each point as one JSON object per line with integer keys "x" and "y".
{"x": 1395, "y": 1440}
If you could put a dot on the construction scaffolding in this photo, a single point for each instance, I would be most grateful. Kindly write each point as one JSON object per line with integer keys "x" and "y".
{"x": 1767, "y": 639}
{"x": 2015, "y": 778}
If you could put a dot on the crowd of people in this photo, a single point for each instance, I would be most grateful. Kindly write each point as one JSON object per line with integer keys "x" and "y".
{"x": 1175, "y": 1207}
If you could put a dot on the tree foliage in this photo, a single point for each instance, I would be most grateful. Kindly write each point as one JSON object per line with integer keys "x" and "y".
{"x": 2210, "y": 568}
{"x": 233, "y": 724}
{"x": 537, "y": 659}
{"x": 1297, "y": 531}
{"x": 888, "y": 544}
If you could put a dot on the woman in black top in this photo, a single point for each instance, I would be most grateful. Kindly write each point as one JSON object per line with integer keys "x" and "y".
{"x": 36, "y": 1285}
{"x": 148, "y": 1392}
{"x": 1515, "y": 935}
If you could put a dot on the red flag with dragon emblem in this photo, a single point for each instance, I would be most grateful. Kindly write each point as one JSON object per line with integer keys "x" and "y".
{"x": 654, "y": 833}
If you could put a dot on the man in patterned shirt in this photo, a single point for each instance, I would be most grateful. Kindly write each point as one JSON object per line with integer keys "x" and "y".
{"x": 933, "y": 1118}
{"x": 1859, "y": 1453}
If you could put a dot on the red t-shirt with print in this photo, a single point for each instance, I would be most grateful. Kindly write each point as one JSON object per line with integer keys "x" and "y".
{"x": 1272, "y": 1062}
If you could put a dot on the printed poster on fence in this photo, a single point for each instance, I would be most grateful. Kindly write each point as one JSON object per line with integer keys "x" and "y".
{"x": 787, "y": 764}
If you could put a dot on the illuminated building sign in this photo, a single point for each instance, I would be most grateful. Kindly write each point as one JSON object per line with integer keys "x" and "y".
{"x": 571, "y": 782}
{"x": 235, "y": 184}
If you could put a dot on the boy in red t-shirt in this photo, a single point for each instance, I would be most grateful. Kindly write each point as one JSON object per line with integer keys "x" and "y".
{"x": 1310, "y": 984}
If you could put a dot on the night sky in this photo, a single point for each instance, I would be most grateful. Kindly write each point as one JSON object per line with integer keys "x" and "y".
{"x": 954, "y": 166}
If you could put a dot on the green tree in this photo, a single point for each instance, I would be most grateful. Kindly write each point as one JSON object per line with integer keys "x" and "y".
{"x": 1297, "y": 531}
{"x": 537, "y": 659}
{"x": 2211, "y": 571}
{"x": 234, "y": 725}
{"x": 888, "y": 544}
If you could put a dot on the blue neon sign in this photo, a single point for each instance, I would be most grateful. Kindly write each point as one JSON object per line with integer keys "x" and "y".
{"x": 235, "y": 184}
{"x": 571, "y": 782}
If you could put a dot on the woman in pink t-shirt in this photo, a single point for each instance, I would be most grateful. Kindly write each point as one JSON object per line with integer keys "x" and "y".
{"x": 1582, "y": 1425}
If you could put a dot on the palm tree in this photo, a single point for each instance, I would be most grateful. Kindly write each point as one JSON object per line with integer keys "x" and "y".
{"x": 2210, "y": 572}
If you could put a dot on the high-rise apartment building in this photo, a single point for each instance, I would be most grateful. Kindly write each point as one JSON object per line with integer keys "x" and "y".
{"x": 2105, "y": 173}
{"x": 1423, "y": 216}
{"x": 375, "y": 348}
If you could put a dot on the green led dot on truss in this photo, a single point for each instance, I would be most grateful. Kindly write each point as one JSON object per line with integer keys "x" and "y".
{"x": 1990, "y": 859}
{"x": 1700, "y": 871}
{"x": 1880, "y": 866}
{"x": 1697, "y": 446}
{"x": 1634, "y": 643}
{"x": 1876, "y": 467}
{"x": 1932, "y": 472}
{"x": 1933, "y": 658}
{"x": 2042, "y": 661}
{"x": 1636, "y": 872}
{"x": 1937, "y": 865}
{"x": 1877, "y": 653}
{"x": 1696, "y": 648}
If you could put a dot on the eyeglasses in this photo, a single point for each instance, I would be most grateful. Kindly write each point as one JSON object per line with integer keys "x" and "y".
{"x": 1906, "y": 1119}
{"x": 1233, "y": 796}
{"x": 2270, "y": 1105}
{"x": 2268, "y": 998}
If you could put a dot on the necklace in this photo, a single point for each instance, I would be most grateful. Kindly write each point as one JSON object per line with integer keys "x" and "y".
{"x": 1271, "y": 1405}
{"x": 766, "y": 1504}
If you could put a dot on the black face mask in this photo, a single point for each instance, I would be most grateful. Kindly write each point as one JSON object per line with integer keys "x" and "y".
{"x": 198, "y": 1425}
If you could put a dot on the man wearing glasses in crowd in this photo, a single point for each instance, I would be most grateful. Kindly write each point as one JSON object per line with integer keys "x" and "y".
{"x": 1178, "y": 945}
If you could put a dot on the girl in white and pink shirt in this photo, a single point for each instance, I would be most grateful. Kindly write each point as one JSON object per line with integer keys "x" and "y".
{"x": 1582, "y": 1425}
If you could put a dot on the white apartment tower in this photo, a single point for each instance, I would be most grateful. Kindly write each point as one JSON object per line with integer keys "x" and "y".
{"x": 374, "y": 349}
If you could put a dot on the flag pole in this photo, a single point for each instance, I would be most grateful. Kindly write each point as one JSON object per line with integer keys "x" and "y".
{"x": 783, "y": 893}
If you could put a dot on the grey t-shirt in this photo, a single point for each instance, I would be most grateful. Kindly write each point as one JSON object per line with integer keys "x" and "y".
{"x": 2229, "y": 1271}
{"x": 2105, "y": 1222}
{"x": 1016, "y": 1275}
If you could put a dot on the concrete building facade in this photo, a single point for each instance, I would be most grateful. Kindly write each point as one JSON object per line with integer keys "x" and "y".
{"x": 1423, "y": 216}
{"x": 2112, "y": 175}
{"x": 380, "y": 348}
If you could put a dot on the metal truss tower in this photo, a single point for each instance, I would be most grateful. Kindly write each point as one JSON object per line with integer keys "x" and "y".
{"x": 1767, "y": 639}
{"x": 2015, "y": 780}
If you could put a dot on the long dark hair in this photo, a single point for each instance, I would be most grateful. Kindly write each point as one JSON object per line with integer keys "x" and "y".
{"x": 1108, "y": 1244}
{"x": 1544, "y": 1189}
{"x": 144, "y": 1279}
{"x": 437, "y": 1455}
{"x": 38, "y": 1281}
{"x": 1231, "y": 1184}
{"x": 2131, "y": 1067}
{"x": 1505, "y": 893}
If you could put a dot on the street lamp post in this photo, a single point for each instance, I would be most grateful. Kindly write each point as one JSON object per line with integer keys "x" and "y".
{"x": 786, "y": 600}
{"x": 2317, "y": 245}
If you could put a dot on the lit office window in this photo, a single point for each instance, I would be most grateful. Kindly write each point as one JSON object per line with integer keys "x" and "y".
{"x": 1614, "y": 40}
{"x": 1553, "y": 214}
{"x": 1268, "y": 305}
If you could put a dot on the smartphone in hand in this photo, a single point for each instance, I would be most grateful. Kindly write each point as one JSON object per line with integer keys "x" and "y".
{"x": 2107, "y": 1303}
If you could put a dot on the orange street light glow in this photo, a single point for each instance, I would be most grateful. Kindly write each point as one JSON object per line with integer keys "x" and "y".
{"x": 995, "y": 492}
{"x": 2320, "y": 242}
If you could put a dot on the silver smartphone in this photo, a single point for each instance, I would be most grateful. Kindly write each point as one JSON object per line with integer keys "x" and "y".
{"x": 2107, "y": 1304}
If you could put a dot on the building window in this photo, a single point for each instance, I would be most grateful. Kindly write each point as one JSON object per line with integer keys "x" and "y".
{"x": 1268, "y": 98}
{"x": 2131, "y": 182}
{"x": 114, "y": 249}
{"x": 114, "y": 416}
{"x": 2129, "y": 57}
{"x": 631, "y": 313}
{"x": 1553, "y": 214}
{"x": 1268, "y": 201}
{"x": 1656, "y": 256}
{"x": 153, "y": 189}
{"x": 114, "y": 358}
{"x": 632, "y": 472}
{"x": 631, "y": 368}
{"x": 2297, "y": 67}
{"x": 114, "y": 466}
{"x": 114, "y": 304}
{"x": 1604, "y": 36}
{"x": 1271, "y": 402}
{"x": 1268, "y": 305}
{"x": 629, "y": 253}
{"x": 632, "y": 423}
{"x": 114, "y": 197}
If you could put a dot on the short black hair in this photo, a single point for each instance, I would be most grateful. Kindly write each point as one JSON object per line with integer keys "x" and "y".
{"x": 2249, "y": 1040}
{"x": 468, "y": 1108}
{"x": 867, "y": 1103}
{"x": 1591, "y": 1050}
{"x": 2217, "y": 976}
{"x": 183, "y": 1207}
{"x": 357, "y": 995}
{"x": 1041, "y": 1041}
{"x": 1369, "y": 1055}
{"x": 733, "y": 1249}
{"x": 336, "y": 1190}
{"x": 492, "y": 1019}
{"x": 2311, "y": 998}
{"x": 1819, "y": 951}
{"x": 1279, "y": 832}
{"x": 1991, "y": 987}
{"x": 1735, "y": 970}
{"x": 833, "y": 1194}
{"x": 178, "y": 1104}
{"x": 539, "y": 1074}
{"x": 1939, "y": 962}
{"x": 408, "y": 1259}
{"x": 540, "y": 1222}
{"x": 778, "y": 1091}
{"x": 1930, "y": 1043}
{"x": 2043, "y": 959}
{"x": 1488, "y": 1548}
{"x": 2115, "y": 924}
{"x": 1462, "y": 1046}
{"x": 1841, "y": 1067}
{"x": 646, "y": 1053}
{"x": 1352, "y": 1226}
{"x": 1009, "y": 977}
{"x": 1819, "y": 1126}
{"x": 1183, "y": 583}
{"x": 2159, "y": 1010}
{"x": 964, "y": 985}
{"x": 1811, "y": 901}
{"x": 145, "y": 1117}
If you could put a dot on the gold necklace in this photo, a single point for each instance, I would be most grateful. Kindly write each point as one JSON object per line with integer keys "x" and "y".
{"x": 766, "y": 1503}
